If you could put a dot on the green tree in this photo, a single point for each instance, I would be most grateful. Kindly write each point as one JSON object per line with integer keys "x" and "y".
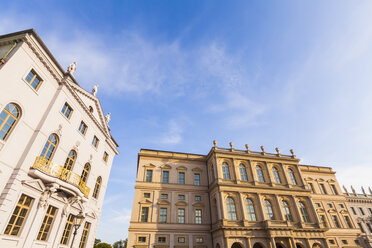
{"x": 120, "y": 244}
{"x": 103, "y": 245}
{"x": 96, "y": 241}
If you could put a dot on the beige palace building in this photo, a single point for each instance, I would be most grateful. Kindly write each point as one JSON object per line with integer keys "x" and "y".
{"x": 237, "y": 198}
{"x": 56, "y": 150}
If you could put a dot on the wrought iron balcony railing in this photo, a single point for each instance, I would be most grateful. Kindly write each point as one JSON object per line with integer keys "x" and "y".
{"x": 61, "y": 173}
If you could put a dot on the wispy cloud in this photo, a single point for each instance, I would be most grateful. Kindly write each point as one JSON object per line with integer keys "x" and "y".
{"x": 173, "y": 134}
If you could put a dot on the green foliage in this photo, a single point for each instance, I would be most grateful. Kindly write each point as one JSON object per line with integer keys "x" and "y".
{"x": 120, "y": 244}
{"x": 96, "y": 241}
{"x": 102, "y": 245}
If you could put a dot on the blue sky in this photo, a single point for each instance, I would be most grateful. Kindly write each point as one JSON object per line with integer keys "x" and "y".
{"x": 178, "y": 74}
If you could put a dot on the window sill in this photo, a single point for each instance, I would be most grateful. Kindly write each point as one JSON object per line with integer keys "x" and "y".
{"x": 67, "y": 119}
{"x": 32, "y": 88}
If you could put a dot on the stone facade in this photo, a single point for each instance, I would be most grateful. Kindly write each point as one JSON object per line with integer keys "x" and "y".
{"x": 56, "y": 150}
{"x": 245, "y": 199}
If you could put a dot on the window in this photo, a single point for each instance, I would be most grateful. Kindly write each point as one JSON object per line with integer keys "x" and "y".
{"x": 8, "y": 119}
{"x": 243, "y": 172}
{"x": 163, "y": 215}
{"x": 331, "y": 241}
{"x": 276, "y": 176}
{"x": 47, "y": 223}
{"x": 323, "y": 220}
{"x": 226, "y": 170}
{"x": 348, "y": 222}
{"x": 251, "y": 213}
{"x": 335, "y": 221}
{"x": 83, "y": 128}
{"x": 361, "y": 211}
{"x": 370, "y": 210}
{"x": 231, "y": 210}
{"x": 33, "y": 79}
{"x": 198, "y": 216}
{"x": 287, "y": 211}
{"x": 84, "y": 236}
{"x": 369, "y": 227}
{"x": 334, "y": 190}
{"x": 341, "y": 206}
{"x": 144, "y": 214}
{"x": 146, "y": 195}
{"x": 67, "y": 231}
{"x": 181, "y": 240}
{"x": 292, "y": 177}
{"x": 19, "y": 215}
{"x": 199, "y": 240}
{"x": 49, "y": 147}
{"x": 330, "y": 205}
{"x": 165, "y": 176}
{"x": 304, "y": 213}
{"x": 149, "y": 176}
{"x": 181, "y": 215}
{"x": 97, "y": 187}
{"x": 353, "y": 209}
{"x": 105, "y": 156}
{"x": 66, "y": 110}
{"x": 317, "y": 205}
{"x": 323, "y": 189}
{"x": 85, "y": 173}
{"x": 311, "y": 187}
{"x": 142, "y": 239}
{"x": 260, "y": 175}
{"x": 361, "y": 227}
{"x": 181, "y": 197}
{"x": 95, "y": 141}
{"x": 344, "y": 241}
{"x": 164, "y": 196}
{"x": 269, "y": 210}
{"x": 197, "y": 198}
{"x": 196, "y": 179}
{"x": 162, "y": 239}
{"x": 70, "y": 160}
{"x": 181, "y": 177}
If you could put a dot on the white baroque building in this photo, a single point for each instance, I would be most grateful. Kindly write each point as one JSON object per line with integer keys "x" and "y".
{"x": 56, "y": 150}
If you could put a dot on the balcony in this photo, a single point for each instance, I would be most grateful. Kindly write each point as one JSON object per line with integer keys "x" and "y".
{"x": 50, "y": 172}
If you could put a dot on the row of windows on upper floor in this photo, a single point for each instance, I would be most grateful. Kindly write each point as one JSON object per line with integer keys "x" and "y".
{"x": 19, "y": 217}
{"x": 11, "y": 114}
{"x": 323, "y": 189}
{"x": 165, "y": 177}
{"x": 360, "y": 210}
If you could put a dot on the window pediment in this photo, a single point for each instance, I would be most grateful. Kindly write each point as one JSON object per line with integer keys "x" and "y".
{"x": 319, "y": 210}
{"x": 332, "y": 211}
{"x": 343, "y": 211}
{"x": 166, "y": 166}
{"x": 181, "y": 168}
{"x": 197, "y": 169}
{"x": 146, "y": 201}
{"x": 320, "y": 180}
{"x": 163, "y": 202}
{"x": 198, "y": 204}
{"x": 309, "y": 179}
{"x": 181, "y": 203}
{"x": 149, "y": 165}
{"x": 331, "y": 181}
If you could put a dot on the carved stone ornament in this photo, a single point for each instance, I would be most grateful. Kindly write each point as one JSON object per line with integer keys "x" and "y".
{"x": 95, "y": 90}
{"x": 71, "y": 68}
{"x": 108, "y": 118}
{"x": 45, "y": 196}
{"x": 59, "y": 130}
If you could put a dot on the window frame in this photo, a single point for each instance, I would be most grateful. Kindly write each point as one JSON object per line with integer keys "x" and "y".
{"x": 243, "y": 172}
{"x": 260, "y": 174}
{"x": 83, "y": 127}
{"x": 13, "y": 222}
{"x": 197, "y": 179}
{"x": 9, "y": 114}
{"x": 144, "y": 215}
{"x": 269, "y": 211}
{"x": 231, "y": 209}
{"x": 226, "y": 171}
{"x": 276, "y": 174}
{"x": 163, "y": 178}
{"x": 47, "y": 225}
{"x": 198, "y": 216}
{"x": 66, "y": 235}
{"x": 163, "y": 218}
{"x": 95, "y": 141}
{"x": 181, "y": 180}
{"x": 32, "y": 80}
{"x": 251, "y": 210}
{"x": 68, "y": 107}
{"x": 181, "y": 216}
{"x": 84, "y": 235}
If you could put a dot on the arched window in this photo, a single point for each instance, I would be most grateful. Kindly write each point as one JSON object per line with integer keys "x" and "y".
{"x": 243, "y": 172}
{"x": 97, "y": 187}
{"x": 85, "y": 173}
{"x": 269, "y": 210}
{"x": 70, "y": 160}
{"x": 304, "y": 213}
{"x": 226, "y": 170}
{"x": 250, "y": 210}
{"x": 50, "y": 147}
{"x": 276, "y": 175}
{"x": 287, "y": 211}
{"x": 8, "y": 119}
{"x": 231, "y": 210}
{"x": 292, "y": 177}
{"x": 260, "y": 174}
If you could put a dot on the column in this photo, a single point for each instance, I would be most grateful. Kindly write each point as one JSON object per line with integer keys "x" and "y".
{"x": 313, "y": 212}
{"x": 252, "y": 172}
{"x": 269, "y": 174}
{"x": 236, "y": 171}
{"x": 289, "y": 185}
{"x": 292, "y": 242}
{"x": 308, "y": 243}
{"x": 223, "y": 210}
{"x": 296, "y": 210}
{"x": 249, "y": 244}
{"x": 244, "y": 217}
{"x": 279, "y": 207}
{"x": 272, "y": 242}
{"x": 261, "y": 207}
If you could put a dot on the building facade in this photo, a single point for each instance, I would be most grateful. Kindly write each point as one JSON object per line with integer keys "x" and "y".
{"x": 360, "y": 208}
{"x": 237, "y": 198}
{"x": 56, "y": 150}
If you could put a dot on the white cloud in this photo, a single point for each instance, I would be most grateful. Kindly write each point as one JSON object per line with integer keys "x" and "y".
{"x": 173, "y": 134}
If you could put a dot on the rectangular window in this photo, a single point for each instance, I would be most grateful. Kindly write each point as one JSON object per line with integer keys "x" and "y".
{"x": 317, "y": 205}
{"x": 353, "y": 209}
{"x": 144, "y": 214}
{"x": 199, "y": 240}
{"x": 181, "y": 177}
{"x": 46, "y": 226}
{"x": 196, "y": 179}
{"x": 165, "y": 176}
{"x": 311, "y": 187}
{"x": 197, "y": 198}
{"x": 67, "y": 231}
{"x": 344, "y": 241}
{"x": 361, "y": 211}
{"x": 330, "y": 205}
{"x": 181, "y": 197}
{"x": 148, "y": 175}
{"x": 95, "y": 141}
{"x": 19, "y": 215}
{"x": 323, "y": 220}
{"x": 334, "y": 190}
{"x": 369, "y": 227}
{"x": 142, "y": 239}
{"x": 181, "y": 216}
{"x": 83, "y": 128}
{"x": 84, "y": 236}
{"x": 164, "y": 196}
{"x": 181, "y": 240}
{"x": 335, "y": 221}
{"x": 33, "y": 79}
{"x": 146, "y": 195}
{"x": 361, "y": 227}
{"x": 370, "y": 210}
{"x": 348, "y": 222}
{"x": 198, "y": 216}
{"x": 67, "y": 110}
{"x": 162, "y": 239}
{"x": 105, "y": 157}
{"x": 322, "y": 187}
{"x": 163, "y": 215}
{"x": 341, "y": 206}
